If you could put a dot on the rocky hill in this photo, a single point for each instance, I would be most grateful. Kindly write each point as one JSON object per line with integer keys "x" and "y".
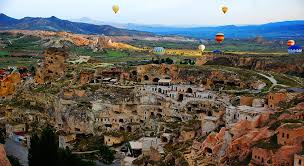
{"x": 292, "y": 65}
{"x": 56, "y": 24}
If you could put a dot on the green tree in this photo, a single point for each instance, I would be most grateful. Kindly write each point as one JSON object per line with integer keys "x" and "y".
{"x": 14, "y": 161}
{"x": 107, "y": 154}
{"x": 48, "y": 147}
{"x": 34, "y": 151}
{"x": 44, "y": 151}
{"x": 169, "y": 61}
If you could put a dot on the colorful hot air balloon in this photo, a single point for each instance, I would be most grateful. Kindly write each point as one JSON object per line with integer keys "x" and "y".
{"x": 159, "y": 50}
{"x": 291, "y": 43}
{"x": 220, "y": 37}
{"x": 115, "y": 8}
{"x": 225, "y": 9}
{"x": 202, "y": 47}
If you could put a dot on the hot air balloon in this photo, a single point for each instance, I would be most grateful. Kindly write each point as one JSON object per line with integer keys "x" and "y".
{"x": 225, "y": 9}
{"x": 220, "y": 37}
{"x": 291, "y": 43}
{"x": 115, "y": 8}
{"x": 159, "y": 50}
{"x": 201, "y": 47}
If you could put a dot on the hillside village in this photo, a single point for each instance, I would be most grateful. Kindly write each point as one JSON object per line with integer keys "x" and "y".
{"x": 156, "y": 113}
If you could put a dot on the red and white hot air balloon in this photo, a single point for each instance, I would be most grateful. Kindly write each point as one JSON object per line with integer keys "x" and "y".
{"x": 291, "y": 43}
{"x": 220, "y": 37}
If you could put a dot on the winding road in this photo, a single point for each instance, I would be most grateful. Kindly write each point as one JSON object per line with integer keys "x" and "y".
{"x": 272, "y": 80}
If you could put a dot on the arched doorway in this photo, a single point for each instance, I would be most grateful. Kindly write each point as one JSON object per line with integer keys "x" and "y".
{"x": 134, "y": 73}
{"x": 155, "y": 80}
{"x": 180, "y": 97}
{"x": 159, "y": 90}
{"x": 167, "y": 71}
{"x": 189, "y": 90}
{"x": 129, "y": 128}
{"x": 146, "y": 78}
{"x": 209, "y": 113}
{"x": 208, "y": 150}
{"x": 122, "y": 129}
{"x": 164, "y": 139}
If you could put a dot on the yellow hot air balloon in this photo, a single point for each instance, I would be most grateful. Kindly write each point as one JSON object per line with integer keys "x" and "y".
{"x": 225, "y": 9}
{"x": 115, "y": 8}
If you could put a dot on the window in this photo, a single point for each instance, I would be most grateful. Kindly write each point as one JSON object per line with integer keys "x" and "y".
{"x": 300, "y": 162}
{"x": 287, "y": 136}
{"x": 283, "y": 135}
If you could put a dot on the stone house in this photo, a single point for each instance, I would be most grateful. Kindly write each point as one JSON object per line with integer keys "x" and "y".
{"x": 65, "y": 139}
{"x": 275, "y": 156}
{"x": 246, "y": 100}
{"x": 298, "y": 160}
{"x": 15, "y": 128}
{"x": 274, "y": 98}
{"x": 186, "y": 135}
{"x": 86, "y": 77}
{"x": 261, "y": 156}
{"x": 113, "y": 139}
{"x": 291, "y": 134}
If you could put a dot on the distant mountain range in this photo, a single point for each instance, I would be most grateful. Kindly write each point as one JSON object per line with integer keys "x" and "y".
{"x": 287, "y": 29}
{"x": 279, "y": 30}
{"x": 56, "y": 24}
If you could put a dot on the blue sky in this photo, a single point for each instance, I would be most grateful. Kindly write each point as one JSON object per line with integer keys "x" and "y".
{"x": 165, "y": 12}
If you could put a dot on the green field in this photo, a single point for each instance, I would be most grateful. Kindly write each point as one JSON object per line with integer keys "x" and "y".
{"x": 229, "y": 45}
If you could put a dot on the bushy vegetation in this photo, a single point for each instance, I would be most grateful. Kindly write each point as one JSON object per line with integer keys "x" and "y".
{"x": 44, "y": 151}
{"x": 14, "y": 161}
{"x": 272, "y": 143}
{"x": 107, "y": 154}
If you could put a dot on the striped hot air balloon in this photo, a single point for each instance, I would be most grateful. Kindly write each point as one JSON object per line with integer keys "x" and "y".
{"x": 220, "y": 37}
{"x": 159, "y": 50}
{"x": 291, "y": 43}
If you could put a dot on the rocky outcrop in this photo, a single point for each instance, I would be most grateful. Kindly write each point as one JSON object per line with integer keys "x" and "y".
{"x": 3, "y": 159}
{"x": 291, "y": 64}
{"x": 9, "y": 83}
{"x": 241, "y": 147}
{"x": 217, "y": 144}
{"x": 54, "y": 65}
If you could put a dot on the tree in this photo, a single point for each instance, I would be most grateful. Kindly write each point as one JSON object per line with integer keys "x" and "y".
{"x": 14, "y": 161}
{"x": 34, "y": 151}
{"x": 107, "y": 154}
{"x": 169, "y": 61}
{"x": 48, "y": 147}
{"x": 44, "y": 151}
